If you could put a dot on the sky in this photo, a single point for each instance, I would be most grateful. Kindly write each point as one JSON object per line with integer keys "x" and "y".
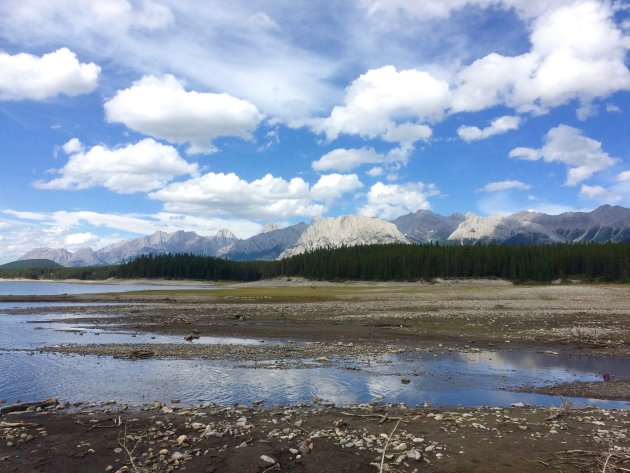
{"x": 119, "y": 118}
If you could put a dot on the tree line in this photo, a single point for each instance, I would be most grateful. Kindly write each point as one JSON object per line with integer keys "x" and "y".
{"x": 605, "y": 262}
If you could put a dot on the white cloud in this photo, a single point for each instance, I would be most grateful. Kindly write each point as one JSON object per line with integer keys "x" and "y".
{"x": 72, "y": 146}
{"x": 577, "y": 53}
{"x": 27, "y": 77}
{"x": 333, "y": 186}
{"x": 612, "y": 108}
{"x": 624, "y": 176}
{"x": 269, "y": 196}
{"x": 375, "y": 171}
{"x": 564, "y": 144}
{"x": 407, "y": 133}
{"x": 496, "y": 127}
{"x": 393, "y": 200}
{"x": 347, "y": 159}
{"x": 593, "y": 192}
{"x": 218, "y": 46}
{"x": 79, "y": 239}
{"x": 139, "y": 167}
{"x": 162, "y": 108}
{"x": 30, "y": 230}
{"x": 505, "y": 185}
{"x": 377, "y": 102}
{"x": 443, "y": 8}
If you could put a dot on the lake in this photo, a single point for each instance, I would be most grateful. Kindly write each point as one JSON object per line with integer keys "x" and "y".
{"x": 48, "y": 288}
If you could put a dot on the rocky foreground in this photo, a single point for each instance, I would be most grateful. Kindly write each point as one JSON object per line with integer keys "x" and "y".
{"x": 317, "y": 437}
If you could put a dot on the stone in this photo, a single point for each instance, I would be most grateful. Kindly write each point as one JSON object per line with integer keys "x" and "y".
{"x": 268, "y": 459}
{"x": 182, "y": 439}
{"x": 118, "y": 450}
{"x": 177, "y": 456}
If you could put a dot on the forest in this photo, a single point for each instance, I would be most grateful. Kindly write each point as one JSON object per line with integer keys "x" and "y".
{"x": 605, "y": 262}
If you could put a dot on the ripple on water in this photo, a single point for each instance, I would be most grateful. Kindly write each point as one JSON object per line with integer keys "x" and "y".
{"x": 91, "y": 378}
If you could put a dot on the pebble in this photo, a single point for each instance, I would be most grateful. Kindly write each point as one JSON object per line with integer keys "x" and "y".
{"x": 177, "y": 456}
{"x": 182, "y": 439}
{"x": 118, "y": 450}
{"x": 268, "y": 459}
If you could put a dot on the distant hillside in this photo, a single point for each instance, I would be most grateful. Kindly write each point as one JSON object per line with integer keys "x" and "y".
{"x": 31, "y": 264}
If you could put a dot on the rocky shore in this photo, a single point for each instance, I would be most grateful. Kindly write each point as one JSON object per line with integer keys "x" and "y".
{"x": 312, "y": 437}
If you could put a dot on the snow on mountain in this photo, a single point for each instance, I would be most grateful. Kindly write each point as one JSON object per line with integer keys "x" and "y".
{"x": 425, "y": 226}
{"x": 350, "y": 230}
{"x": 266, "y": 245}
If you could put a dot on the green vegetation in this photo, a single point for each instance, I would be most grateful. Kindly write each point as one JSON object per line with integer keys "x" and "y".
{"x": 31, "y": 264}
{"x": 608, "y": 262}
{"x": 92, "y": 273}
{"x": 593, "y": 262}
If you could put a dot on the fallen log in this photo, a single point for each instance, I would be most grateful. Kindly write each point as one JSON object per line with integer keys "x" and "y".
{"x": 23, "y": 406}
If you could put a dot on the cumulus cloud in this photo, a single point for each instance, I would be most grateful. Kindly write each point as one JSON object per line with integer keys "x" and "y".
{"x": 333, "y": 186}
{"x": 577, "y": 53}
{"x": 381, "y": 103}
{"x": 139, "y": 167}
{"x": 505, "y": 185}
{"x": 28, "y": 77}
{"x": 162, "y": 108}
{"x": 496, "y": 127}
{"x": 347, "y": 159}
{"x": 79, "y": 239}
{"x": 624, "y": 176}
{"x": 393, "y": 200}
{"x": 567, "y": 145}
{"x": 269, "y": 196}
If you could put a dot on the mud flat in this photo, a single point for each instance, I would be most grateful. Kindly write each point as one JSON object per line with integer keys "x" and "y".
{"x": 305, "y": 325}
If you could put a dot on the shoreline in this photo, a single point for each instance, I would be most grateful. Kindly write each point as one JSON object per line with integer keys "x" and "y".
{"x": 311, "y": 437}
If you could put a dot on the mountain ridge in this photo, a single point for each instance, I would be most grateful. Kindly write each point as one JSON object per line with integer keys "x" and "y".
{"x": 606, "y": 223}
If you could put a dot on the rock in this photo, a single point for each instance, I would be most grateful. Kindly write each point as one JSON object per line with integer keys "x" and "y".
{"x": 294, "y": 451}
{"x": 438, "y": 417}
{"x": 405, "y": 380}
{"x": 414, "y": 455}
{"x": 430, "y": 448}
{"x": 268, "y": 459}
{"x": 177, "y": 456}
{"x": 163, "y": 452}
{"x": 182, "y": 439}
{"x": 518, "y": 404}
{"x": 401, "y": 447}
{"x": 109, "y": 468}
{"x": 118, "y": 450}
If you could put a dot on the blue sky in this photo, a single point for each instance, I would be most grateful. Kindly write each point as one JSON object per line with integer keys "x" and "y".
{"x": 122, "y": 117}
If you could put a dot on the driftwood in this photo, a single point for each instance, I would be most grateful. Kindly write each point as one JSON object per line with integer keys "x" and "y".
{"x": 23, "y": 406}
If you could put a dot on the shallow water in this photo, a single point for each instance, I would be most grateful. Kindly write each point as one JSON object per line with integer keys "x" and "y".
{"x": 443, "y": 381}
{"x": 468, "y": 379}
{"x": 33, "y": 331}
{"x": 40, "y": 288}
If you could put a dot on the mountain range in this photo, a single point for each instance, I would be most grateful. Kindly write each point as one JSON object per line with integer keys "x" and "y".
{"x": 606, "y": 223}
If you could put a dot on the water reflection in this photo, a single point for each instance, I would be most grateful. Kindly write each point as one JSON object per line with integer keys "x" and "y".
{"x": 89, "y": 378}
